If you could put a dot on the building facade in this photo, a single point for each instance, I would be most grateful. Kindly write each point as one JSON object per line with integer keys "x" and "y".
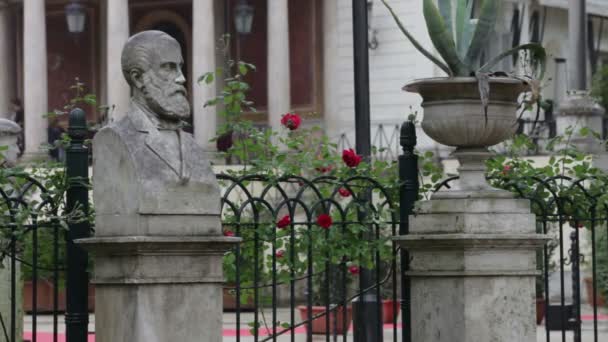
{"x": 302, "y": 50}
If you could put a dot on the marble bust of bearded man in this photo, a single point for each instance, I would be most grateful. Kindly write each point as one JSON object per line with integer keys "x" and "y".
{"x": 145, "y": 163}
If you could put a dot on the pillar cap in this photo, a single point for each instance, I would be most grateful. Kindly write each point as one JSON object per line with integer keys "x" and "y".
{"x": 580, "y": 103}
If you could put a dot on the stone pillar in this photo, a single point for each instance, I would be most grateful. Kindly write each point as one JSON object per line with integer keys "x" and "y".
{"x": 35, "y": 77}
{"x": 7, "y": 55}
{"x": 117, "y": 26}
{"x": 9, "y": 132}
{"x": 473, "y": 270}
{"x": 577, "y": 34}
{"x": 580, "y": 110}
{"x": 334, "y": 123}
{"x": 473, "y": 249}
{"x": 279, "y": 79}
{"x": 203, "y": 60}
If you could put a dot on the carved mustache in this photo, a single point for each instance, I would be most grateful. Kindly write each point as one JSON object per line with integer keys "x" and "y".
{"x": 179, "y": 90}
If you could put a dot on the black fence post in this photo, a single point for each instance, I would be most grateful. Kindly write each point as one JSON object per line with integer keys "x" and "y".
{"x": 77, "y": 170}
{"x": 408, "y": 194}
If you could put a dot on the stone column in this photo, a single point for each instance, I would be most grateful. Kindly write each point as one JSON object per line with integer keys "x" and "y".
{"x": 117, "y": 26}
{"x": 334, "y": 123}
{"x": 473, "y": 262}
{"x": 9, "y": 131}
{"x": 35, "y": 77}
{"x": 7, "y": 55}
{"x": 577, "y": 34}
{"x": 203, "y": 60}
{"x": 580, "y": 110}
{"x": 279, "y": 79}
{"x": 473, "y": 270}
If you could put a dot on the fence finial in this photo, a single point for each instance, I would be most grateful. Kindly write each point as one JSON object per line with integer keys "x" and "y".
{"x": 408, "y": 136}
{"x": 77, "y": 124}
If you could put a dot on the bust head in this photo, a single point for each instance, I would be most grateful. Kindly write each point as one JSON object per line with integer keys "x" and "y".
{"x": 152, "y": 65}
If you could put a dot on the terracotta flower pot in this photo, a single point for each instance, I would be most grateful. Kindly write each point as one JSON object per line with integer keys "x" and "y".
{"x": 229, "y": 298}
{"x": 600, "y": 300}
{"x": 390, "y": 311}
{"x": 44, "y": 297}
{"x": 319, "y": 325}
{"x": 540, "y": 310}
{"x": 44, "y": 300}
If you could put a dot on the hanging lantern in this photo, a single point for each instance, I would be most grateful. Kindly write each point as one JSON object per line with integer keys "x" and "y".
{"x": 75, "y": 14}
{"x": 243, "y": 17}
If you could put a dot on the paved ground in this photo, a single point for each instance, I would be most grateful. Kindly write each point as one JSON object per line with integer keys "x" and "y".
{"x": 45, "y": 326}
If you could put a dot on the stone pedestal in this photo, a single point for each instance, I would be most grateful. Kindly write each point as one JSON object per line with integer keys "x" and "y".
{"x": 158, "y": 242}
{"x": 580, "y": 110}
{"x": 165, "y": 288}
{"x": 472, "y": 270}
{"x": 5, "y": 299}
{"x": 9, "y": 131}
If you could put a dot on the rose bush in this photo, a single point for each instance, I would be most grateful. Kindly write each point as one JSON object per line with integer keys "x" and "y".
{"x": 317, "y": 218}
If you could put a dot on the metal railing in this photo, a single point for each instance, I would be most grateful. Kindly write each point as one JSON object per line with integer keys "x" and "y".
{"x": 47, "y": 272}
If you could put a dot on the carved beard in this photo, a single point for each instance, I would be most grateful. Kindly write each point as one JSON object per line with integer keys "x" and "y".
{"x": 167, "y": 99}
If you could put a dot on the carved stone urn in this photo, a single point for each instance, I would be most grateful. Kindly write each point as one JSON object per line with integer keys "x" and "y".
{"x": 454, "y": 116}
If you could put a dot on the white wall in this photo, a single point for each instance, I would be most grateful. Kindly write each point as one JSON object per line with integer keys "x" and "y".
{"x": 392, "y": 65}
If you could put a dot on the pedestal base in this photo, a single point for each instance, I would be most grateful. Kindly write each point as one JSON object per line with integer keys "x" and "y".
{"x": 472, "y": 270}
{"x": 158, "y": 289}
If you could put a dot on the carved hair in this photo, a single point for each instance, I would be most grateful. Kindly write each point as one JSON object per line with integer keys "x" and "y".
{"x": 140, "y": 50}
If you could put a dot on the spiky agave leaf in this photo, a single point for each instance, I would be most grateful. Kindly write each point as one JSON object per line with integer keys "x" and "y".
{"x": 538, "y": 57}
{"x": 465, "y": 26}
{"x": 442, "y": 39}
{"x": 416, "y": 44}
{"x": 445, "y": 8}
{"x": 485, "y": 26}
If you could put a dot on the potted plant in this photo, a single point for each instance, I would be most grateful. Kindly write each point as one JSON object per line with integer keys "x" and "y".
{"x": 472, "y": 108}
{"x": 390, "y": 303}
{"x": 339, "y": 317}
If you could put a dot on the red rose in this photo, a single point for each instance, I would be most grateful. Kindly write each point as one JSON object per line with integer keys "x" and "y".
{"x": 291, "y": 121}
{"x": 280, "y": 253}
{"x": 351, "y": 158}
{"x": 324, "y": 221}
{"x": 506, "y": 169}
{"x": 344, "y": 192}
{"x": 284, "y": 222}
{"x": 354, "y": 270}
{"x": 229, "y": 233}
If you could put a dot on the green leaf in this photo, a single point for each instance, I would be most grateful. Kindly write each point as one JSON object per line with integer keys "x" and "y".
{"x": 416, "y": 44}
{"x": 243, "y": 69}
{"x": 485, "y": 26}
{"x": 465, "y": 40}
{"x": 442, "y": 39}
{"x": 463, "y": 15}
{"x": 445, "y": 8}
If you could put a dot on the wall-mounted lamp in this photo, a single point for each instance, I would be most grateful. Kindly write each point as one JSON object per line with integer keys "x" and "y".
{"x": 243, "y": 17}
{"x": 76, "y": 16}
{"x": 371, "y": 32}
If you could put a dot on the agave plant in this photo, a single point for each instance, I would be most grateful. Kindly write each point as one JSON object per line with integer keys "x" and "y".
{"x": 460, "y": 39}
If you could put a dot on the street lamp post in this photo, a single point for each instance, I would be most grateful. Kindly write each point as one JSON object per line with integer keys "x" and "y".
{"x": 367, "y": 312}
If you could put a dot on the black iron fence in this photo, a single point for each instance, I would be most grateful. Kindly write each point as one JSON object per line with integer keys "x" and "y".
{"x": 296, "y": 272}
{"x": 42, "y": 211}
{"x": 303, "y": 238}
